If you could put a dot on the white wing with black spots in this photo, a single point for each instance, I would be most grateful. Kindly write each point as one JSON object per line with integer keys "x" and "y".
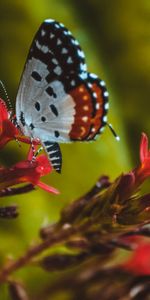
{"x": 57, "y": 101}
{"x": 48, "y": 111}
{"x": 53, "y": 65}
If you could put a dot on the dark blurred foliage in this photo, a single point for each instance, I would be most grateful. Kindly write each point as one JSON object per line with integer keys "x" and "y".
{"x": 115, "y": 37}
{"x": 81, "y": 250}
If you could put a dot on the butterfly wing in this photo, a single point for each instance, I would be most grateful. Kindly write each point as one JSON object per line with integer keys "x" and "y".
{"x": 57, "y": 100}
{"x": 91, "y": 100}
{"x": 44, "y": 109}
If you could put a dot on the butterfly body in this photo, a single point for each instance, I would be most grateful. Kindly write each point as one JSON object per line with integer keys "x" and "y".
{"x": 58, "y": 101}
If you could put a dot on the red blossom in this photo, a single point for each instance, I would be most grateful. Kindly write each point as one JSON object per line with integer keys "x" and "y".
{"x": 142, "y": 172}
{"x": 7, "y": 129}
{"x": 128, "y": 183}
{"x": 144, "y": 156}
{"x": 139, "y": 262}
{"x": 27, "y": 171}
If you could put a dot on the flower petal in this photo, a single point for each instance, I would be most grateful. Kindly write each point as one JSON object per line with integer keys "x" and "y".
{"x": 143, "y": 147}
{"x": 139, "y": 262}
{"x": 47, "y": 188}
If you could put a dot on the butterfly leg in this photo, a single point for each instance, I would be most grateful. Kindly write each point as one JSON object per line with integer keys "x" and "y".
{"x": 38, "y": 151}
{"x": 17, "y": 141}
{"x": 33, "y": 150}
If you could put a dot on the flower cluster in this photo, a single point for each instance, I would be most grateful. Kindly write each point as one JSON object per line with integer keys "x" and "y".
{"x": 112, "y": 215}
{"x": 139, "y": 261}
{"x": 143, "y": 171}
{"x": 27, "y": 171}
{"x": 7, "y": 130}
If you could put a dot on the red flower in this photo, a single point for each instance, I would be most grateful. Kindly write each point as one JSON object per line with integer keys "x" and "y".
{"x": 144, "y": 169}
{"x": 7, "y": 129}
{"x": 27, "y": 171}
{"x": 131, "y": 181}
{"x": 139, "y": 262}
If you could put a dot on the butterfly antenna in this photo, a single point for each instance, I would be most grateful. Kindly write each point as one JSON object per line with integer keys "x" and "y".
{"x": 113, "y": 132}
{"x": 10, "y": 108}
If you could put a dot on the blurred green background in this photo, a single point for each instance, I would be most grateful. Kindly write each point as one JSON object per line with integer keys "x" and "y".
{"x": 115, "y": 36}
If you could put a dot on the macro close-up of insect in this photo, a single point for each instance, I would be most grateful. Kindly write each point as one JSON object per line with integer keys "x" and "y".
{"x": 69, "y": 71}
{"x": 58, "y": 100}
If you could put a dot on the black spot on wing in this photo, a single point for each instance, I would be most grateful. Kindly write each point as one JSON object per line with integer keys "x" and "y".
{"x": 51, "y": 92}
{"x": 57, "y": 134}
{"x": 54, "y": 109}
{"x": 55, "y": 46}
{"x": 32, "y": 126}
{"x": 43, "y": 119}
{"x": 37, "y": 106}
{"x": 36, "y": 76}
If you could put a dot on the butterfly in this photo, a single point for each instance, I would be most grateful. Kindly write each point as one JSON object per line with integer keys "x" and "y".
{"x": 58, "y": 100}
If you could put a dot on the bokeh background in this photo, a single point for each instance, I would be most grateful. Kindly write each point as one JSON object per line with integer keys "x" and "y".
{"x": 115, "y": 36}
